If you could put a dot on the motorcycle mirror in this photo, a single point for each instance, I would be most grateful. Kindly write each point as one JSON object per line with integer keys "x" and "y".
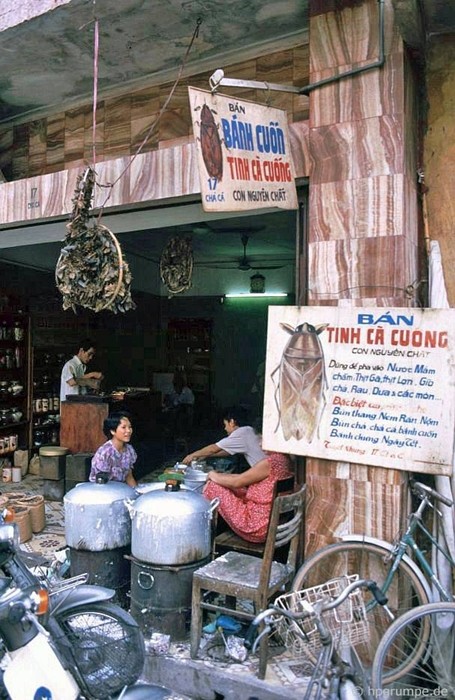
{"x": 9, "y": 535}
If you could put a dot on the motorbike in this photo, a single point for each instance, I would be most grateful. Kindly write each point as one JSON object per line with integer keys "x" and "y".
{"x": 66, "y": 641}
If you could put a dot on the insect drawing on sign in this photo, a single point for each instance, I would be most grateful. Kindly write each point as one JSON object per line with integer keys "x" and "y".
{"x": 299, "y": 391}
{"x": 212, "y": 153}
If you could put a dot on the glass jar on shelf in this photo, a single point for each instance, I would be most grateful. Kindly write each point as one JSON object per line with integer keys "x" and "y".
{"x": 15, "y": 387}
{"x": 17, "y": 357}
{"x": 5, "y": 418}
{"x": 38, "y": 438}
{"x": 18, "y": 331}
{"x": 4, "y": 331}
{"x": 15, "y": 415}
{"x": 9, "y": 359}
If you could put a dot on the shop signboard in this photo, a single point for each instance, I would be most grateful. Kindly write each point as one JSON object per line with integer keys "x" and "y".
{"x": 243, "y": 152}
{"x": 366, "y": 385}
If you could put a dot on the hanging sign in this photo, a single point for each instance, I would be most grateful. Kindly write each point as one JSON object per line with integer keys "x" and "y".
{"x": 362, "y": 385}
{"x": 243, "y": 151}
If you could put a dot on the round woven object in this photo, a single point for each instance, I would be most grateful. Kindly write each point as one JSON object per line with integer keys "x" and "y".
{"x": 176, "y": 264}
{"x": 37, "y": 510}
{"x": 53, "y": 451}
{"x": 90, "y": 274}
{"x": 14, "y": 496}
{"x": 24, "y": 524}
{"x": 91, "y": 271}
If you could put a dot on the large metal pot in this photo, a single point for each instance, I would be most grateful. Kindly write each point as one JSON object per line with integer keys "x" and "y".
{"x": 96, "y": 516}
{"x": 171, "y": 527}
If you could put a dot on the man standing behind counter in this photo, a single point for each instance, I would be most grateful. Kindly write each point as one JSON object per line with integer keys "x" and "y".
{"x": 74, "y": 378}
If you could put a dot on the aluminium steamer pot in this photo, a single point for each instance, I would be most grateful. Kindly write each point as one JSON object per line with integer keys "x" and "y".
{"x": 171, "y": 527}
{"x": 96, "y": 516}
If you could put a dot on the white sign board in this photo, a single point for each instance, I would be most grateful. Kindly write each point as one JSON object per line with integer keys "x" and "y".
{"x": 244, "y": 155}
{"x": 363, "y": 385}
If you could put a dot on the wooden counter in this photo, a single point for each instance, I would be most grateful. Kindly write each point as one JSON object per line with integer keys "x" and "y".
{"x": 81, "y": 422}
{"x": 81, "y": 425}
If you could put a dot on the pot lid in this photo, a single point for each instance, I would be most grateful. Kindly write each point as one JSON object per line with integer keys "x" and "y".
{"x": 53, "y": 451}
{"x": 155, "y": 486}
{"x": 195, "y": 474}
{"x": 169, "y": 503}
{"x": 89, "y": 493}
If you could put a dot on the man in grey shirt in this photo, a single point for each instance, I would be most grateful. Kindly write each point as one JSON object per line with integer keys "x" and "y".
{"x": 241, "y": 439}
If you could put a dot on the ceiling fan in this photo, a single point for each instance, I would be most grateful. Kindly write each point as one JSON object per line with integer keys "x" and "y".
{"x": 244, "y": 264}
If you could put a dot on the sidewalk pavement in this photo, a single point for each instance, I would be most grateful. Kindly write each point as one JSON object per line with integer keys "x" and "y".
{"x": 207, "y": 678}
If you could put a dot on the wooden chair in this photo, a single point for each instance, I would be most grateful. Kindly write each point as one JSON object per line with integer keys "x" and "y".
{"x": 237, "y": 576}
{"x": 228, "y": 540}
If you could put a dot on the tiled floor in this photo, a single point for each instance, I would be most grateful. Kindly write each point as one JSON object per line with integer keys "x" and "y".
{"x": 52, "y": 538}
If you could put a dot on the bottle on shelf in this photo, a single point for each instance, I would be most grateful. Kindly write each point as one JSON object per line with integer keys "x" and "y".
{"x": 18, "y": 331}
{"x": 10, "y": 361}
{"x": 18, "y": 357}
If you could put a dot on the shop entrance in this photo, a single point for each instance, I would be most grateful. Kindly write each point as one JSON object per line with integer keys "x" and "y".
{"x": 231, "y": 254}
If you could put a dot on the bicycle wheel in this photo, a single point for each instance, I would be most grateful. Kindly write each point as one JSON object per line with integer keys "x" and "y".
{"x": 433, "y": 665}
{"x": 369, "y": 561}
{"x": 107, "y": 647}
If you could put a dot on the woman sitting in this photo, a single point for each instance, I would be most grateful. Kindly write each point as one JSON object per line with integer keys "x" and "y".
{"x": 246, "y": 499}
{"x": 115, "y": 458}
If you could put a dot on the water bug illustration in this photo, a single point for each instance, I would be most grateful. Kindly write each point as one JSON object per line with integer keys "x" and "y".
{"x": 301, "y": 380}
{"x": 212, "y": 153}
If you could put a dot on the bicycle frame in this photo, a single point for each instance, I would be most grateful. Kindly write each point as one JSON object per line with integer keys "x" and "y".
{"x": 398, "y": 552}
{"x": 332, "y": 676}
{"x": 408, "y": 540}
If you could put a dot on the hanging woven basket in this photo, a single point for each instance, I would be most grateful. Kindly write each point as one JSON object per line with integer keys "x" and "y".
{"x": 176, "y": 265}
{"x": 91, "y": 271}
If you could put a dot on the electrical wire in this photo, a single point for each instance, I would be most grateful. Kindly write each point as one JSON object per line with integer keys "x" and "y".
{"x": 155, "y": 123}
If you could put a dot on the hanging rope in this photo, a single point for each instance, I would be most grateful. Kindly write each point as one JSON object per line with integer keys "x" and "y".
{"x": 155, "y": 123}
{"x": 95, "y": 91}
{"x": 91, "y": 271}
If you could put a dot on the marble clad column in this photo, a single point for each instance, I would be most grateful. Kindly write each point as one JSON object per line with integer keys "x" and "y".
{"x": 363, "y": 232}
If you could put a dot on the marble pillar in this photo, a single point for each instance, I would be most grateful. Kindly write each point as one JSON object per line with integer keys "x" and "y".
{"x": 363, "y": 226}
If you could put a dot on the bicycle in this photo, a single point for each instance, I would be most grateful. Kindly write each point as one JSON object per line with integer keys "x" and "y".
{"x": 399, "y": 577}
{"x": 420, "y": 645}
{"x": 321, "y": 627}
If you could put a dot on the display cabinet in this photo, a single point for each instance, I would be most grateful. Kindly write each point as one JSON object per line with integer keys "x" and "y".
{"x": 47, "y": 366}
{"x": 189, "y": 348}
{"x": 15, "y": 384}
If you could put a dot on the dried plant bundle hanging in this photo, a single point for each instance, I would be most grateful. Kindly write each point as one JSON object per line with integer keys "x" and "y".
{"x": 176, "y": 265}
{"x": 91, "y": 271}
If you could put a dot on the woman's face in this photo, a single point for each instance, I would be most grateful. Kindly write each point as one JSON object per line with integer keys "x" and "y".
{"x": 123, "y": 431}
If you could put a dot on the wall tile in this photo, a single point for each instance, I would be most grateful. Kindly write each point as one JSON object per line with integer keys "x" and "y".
{"x": 360, "y": 268}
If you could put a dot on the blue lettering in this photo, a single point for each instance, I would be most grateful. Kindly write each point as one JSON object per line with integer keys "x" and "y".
{"x": 237, "y": 134}
{"x": 370, "y": 320}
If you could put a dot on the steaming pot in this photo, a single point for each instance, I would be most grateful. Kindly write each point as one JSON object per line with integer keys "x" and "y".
{"x": 96, "y": 516}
